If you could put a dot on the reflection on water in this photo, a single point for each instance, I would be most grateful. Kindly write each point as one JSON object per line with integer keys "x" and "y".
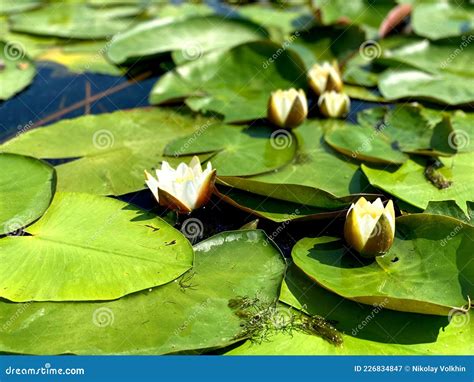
{"x": 55, "y": 88}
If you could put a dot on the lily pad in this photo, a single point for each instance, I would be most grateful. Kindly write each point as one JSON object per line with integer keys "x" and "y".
{"x": 318, "y": 176}
{"x": 74, "y": 20}
{"x": 365, "y": 144}
{"x": 81, "y": 57}
{"x": 369, "y": 14}
{"x": 450, "y": 208}
{"x": 322, "y": 43}
{"x": 16, "y": 69}
{"x": 194, "y": 36}
{"x": 281, "y": 22}
{"x": 26, "y": 188}
{"x": 428, "y": 251}
{"x": 273, "y": 209}
{"x": 410, "y": 184}
{"x": 87, "y": 247}
{"x": 108, "y": 152}
{"x": 367, "y": 330}
{"x": 441, "y": 88}
{"x": 249, "y": 72}
{"x": 441, "y": 19}
{"x": 411, "y": 128}
{"x": 190, "y": 314}
{"x": 462, "y": 137}
{"x": 14, "y": 6}
{"x": 237, "y": 151}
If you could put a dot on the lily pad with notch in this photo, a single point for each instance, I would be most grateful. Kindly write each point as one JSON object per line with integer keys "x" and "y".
{"x": 419, "y": 180}
{"x": 408, "y": 276}
{"x": 189, "y": 315}
{"x": 88, "y": 247}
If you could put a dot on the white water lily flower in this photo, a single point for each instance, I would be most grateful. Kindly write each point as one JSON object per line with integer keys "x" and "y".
{"x": 184, "y": 189}
{"x": 287, "y": 108}
{"x": 369, "y": 227}
{"x": 334, "y": 105}
{"x": 325, "y": 77}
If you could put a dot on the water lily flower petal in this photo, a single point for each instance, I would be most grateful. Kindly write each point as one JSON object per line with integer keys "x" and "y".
{"x": 370, "y": 227}
{"x": 287, "y": 108}
{"x": 185, "y": 188}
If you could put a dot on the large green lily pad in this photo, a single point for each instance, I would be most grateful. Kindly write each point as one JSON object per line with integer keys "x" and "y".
{"x": 237, "y": 151}
{"x": 194, "y": 36}
{"x": 410, "y": 128}
{"x": 250, "y": 75}
{"x": 428, "y": 251}
{"x": 110, "y": 151}
{"x": 367, "y": 330}
{"x": 88, "y": 247}
{"x": 17, "y": 69}
{"x": 26, "y": 188}
{"x": 441, "y": 88}
{"x": 365, "y": 144}
{"x": 74, "y": 20}
{"x": 189, "y": 314}
{"x": 410, "y": 184}
{"x": 441, "y": 19}
{"x": 318, "y": 176}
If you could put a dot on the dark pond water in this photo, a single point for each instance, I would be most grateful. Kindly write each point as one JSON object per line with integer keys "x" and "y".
{"x": 57, "y": 94}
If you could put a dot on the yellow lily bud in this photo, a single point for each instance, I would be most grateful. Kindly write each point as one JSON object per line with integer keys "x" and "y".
{"x": 325, "y": 77}
{"x": 184, "y": 189}
{"x": 369, "y": 227}
{"x": 334, "y": 105}
{"x": 287, "y": 108}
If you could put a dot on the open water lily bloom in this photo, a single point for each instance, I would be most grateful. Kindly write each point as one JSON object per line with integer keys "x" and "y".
{"x": 185, "y": 188}
{"x": 370, "y": 227}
